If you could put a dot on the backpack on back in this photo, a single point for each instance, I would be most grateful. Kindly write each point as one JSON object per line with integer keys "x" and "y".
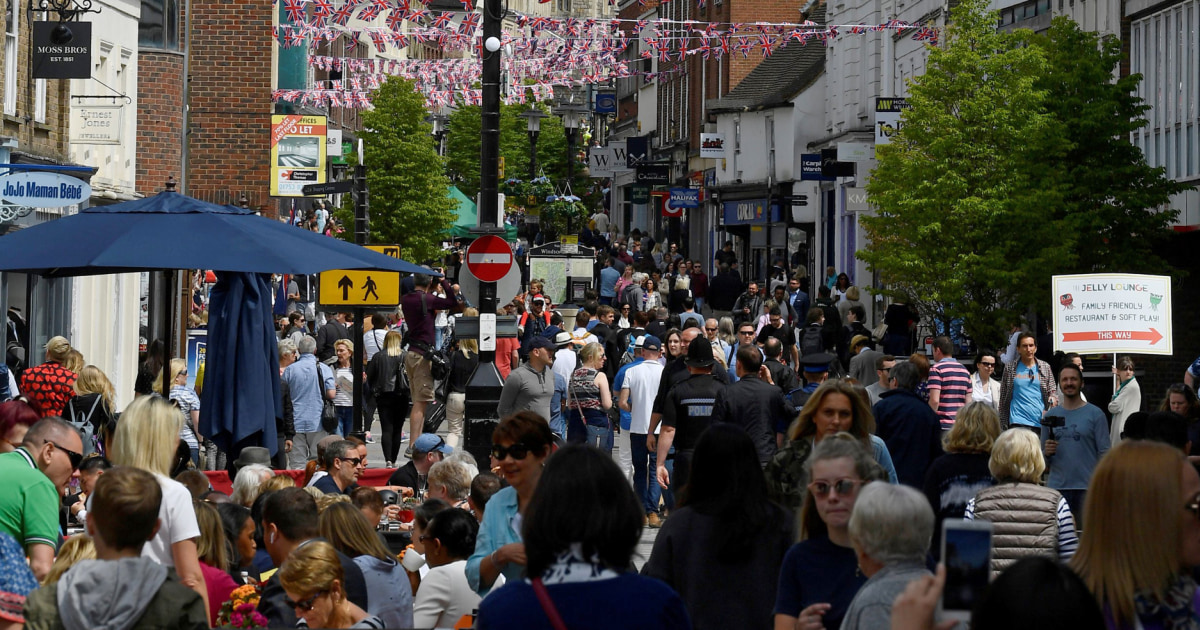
{"x": 82, "y": 421}
{"x": 810, "y": 340}
{"x": 786, "y": 479}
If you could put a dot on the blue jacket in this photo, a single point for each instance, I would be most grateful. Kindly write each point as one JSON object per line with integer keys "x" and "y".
{"x": 495, "y": 531}
{"x": 912, "y": 433}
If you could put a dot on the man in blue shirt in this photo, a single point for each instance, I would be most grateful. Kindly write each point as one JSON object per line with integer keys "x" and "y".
{"x": 1073, "y": 450}
{"x": 625, "y": 456}
{"x": 307, "y": 381}
{"x": 608, "y": 283}
{"x": 1027, "y": 388}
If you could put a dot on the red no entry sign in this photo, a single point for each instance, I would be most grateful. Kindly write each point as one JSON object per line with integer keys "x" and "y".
{"x": 489, "y": 258}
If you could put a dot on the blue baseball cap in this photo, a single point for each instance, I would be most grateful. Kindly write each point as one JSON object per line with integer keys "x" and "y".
{"x": 429, "y": 442}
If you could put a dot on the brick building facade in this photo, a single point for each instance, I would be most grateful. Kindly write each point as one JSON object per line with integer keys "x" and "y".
{"x": 36, "y": 111}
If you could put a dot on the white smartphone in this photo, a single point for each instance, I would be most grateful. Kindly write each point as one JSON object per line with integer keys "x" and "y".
{"x": 967, "y": 554}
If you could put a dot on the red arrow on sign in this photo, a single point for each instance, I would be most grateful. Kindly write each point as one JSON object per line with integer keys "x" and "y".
{"x": 1153, "y": 336}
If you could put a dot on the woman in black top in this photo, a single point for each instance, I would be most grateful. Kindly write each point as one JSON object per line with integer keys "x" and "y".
{"x": 462, "y": 365}
{"x": 389, "y": 385}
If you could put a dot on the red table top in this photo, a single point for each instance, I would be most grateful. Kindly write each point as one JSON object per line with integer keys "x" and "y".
{"x": 220, "y": 481}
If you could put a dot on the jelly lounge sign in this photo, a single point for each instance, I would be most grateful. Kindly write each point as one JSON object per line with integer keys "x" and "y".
{"x": 43, "y": 190}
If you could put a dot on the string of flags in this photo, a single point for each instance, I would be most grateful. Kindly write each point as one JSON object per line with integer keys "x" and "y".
{"x": 541, "y": 53}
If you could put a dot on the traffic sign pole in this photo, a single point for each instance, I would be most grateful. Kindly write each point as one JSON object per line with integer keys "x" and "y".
{"x": 361, "y": 219}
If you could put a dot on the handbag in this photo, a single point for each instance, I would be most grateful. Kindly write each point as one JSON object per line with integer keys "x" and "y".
{"x": 329, "y": 419}
{"x": 543, "y": 597}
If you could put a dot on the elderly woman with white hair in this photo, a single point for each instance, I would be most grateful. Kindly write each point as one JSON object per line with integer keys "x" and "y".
{"x": 450, "y": 481}
{"x": 247, "y": 485}
{"x": 891, "y": 529}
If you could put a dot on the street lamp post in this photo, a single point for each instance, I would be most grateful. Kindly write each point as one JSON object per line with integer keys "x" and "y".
{"x": 439, "y": 129}
{"x": 571, "y": 126}
{"x": 533, "y": 125}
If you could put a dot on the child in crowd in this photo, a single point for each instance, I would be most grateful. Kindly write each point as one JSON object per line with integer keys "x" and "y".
{"x": 119, "y": 589}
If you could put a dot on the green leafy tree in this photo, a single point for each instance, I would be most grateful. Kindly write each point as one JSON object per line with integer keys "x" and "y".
{"x": 406, "y": 176}
{"x": 463, "y": 147}
{"x": 1112, "y": 199}
{"x": 963, "y": 229}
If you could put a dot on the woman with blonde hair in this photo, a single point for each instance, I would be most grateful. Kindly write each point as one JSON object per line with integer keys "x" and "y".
{"x": 462, "y": 365}
{"x": 74, "y": 549}
{"x": 315, "y": 586}
{"x": 1138, "y": 561}
{"x": 189, "y": 405}
{"x": 963, "y": 471}
{"x": 276, "y": 482}
{"x": 589, "y": 399}
{"x": 835, "y": 407}
{"x": 384, "y": 375}
{"x": 93, "y": 409}
{"x": 147, "y": 437}
{"x": 214, "y": 556}
{"x": 388, "y": 591}
{"x": 1029, "y": 519}
{"x": 51, "y": 384}
{"x": 343, "y": 376}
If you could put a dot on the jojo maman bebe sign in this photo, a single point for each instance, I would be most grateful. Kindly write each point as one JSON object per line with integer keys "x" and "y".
{"x": 43, "y": 190}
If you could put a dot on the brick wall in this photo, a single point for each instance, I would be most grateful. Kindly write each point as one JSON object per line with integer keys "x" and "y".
{"x": 750, "y": 11}
{"x": 44, "y": 139}
{"x": 160, "y": 120}
{"x": 230, "y": 90}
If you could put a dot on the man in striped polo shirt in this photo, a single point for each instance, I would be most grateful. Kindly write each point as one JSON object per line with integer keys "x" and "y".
{"x": 949, "y": 383}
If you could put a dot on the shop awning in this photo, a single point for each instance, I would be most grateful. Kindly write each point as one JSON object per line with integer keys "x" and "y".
{"x": 468, "y": 217}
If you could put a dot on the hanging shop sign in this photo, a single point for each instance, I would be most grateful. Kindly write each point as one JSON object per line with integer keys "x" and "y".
{"x": 62, "y": 50}
{"x": 712, "y": 145}
{"x": 96, "y": 124}
{"x": 40, "y": 189}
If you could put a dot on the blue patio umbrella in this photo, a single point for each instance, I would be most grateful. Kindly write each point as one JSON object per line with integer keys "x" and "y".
{"x": 171, "y": 231}
{"x": 174, "y": 231}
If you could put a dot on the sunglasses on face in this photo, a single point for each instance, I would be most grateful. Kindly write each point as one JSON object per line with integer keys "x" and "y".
{"x": 991, "y": 364}
{"x": 746, "y": 332}
{"x": 517, "y": 451}
{"x": 353, "y": 460}
{"x": 711, "y": 329}
{"x": 304, "y": 605}
{"x": 844, "y": 487}
{"x": 76, "y": 458}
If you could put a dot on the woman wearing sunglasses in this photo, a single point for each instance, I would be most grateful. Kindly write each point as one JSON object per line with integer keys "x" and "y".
{"x": 313, "y": 580}
{"x": 820, "y": 576}
{"x": 520, "y": 445}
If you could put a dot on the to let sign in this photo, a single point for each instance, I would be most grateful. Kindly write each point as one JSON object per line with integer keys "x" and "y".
{"x": 1112, "y": 312}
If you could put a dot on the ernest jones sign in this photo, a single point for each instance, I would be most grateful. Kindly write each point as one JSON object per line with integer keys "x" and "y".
{"x": 43, "y": 190}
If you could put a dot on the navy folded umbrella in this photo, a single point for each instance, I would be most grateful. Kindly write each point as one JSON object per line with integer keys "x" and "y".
{"x": 240, "y": 399}
{"x": 174, "y": 231}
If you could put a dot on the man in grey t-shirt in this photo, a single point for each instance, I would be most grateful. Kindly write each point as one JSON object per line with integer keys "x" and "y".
{"x": 531, "y": 386}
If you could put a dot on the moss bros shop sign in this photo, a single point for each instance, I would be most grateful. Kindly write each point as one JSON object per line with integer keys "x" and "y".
{"x": 43, "y": 190}
{"x": 62, "y": 50}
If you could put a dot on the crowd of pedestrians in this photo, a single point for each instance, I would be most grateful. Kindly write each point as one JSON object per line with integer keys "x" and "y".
{"x": 798, "y": 463}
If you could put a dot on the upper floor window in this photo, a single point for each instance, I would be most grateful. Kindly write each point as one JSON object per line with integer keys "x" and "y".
{"x": 159, "y": 25}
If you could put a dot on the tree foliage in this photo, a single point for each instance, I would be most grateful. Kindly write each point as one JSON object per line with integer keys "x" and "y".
{"x": 406, "y": 177}
{"x": 463, "y": 147}
{"x": 1113, "y": 200}
{"x": 961, "y": 229}
{"x": 1012, "y": 165}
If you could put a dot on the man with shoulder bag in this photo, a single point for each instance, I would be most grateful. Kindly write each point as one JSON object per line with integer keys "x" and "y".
{"x": 311, "y": 384}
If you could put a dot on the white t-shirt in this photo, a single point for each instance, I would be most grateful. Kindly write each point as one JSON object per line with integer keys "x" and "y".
{"x": 373, "y": 341}
{"x": 564, "y": 363}
{"x": 642, "y": 382}
{"x": 178, "y": 522}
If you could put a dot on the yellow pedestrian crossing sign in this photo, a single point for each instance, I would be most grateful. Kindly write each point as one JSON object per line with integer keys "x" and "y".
{"x": 366, "y": 289}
